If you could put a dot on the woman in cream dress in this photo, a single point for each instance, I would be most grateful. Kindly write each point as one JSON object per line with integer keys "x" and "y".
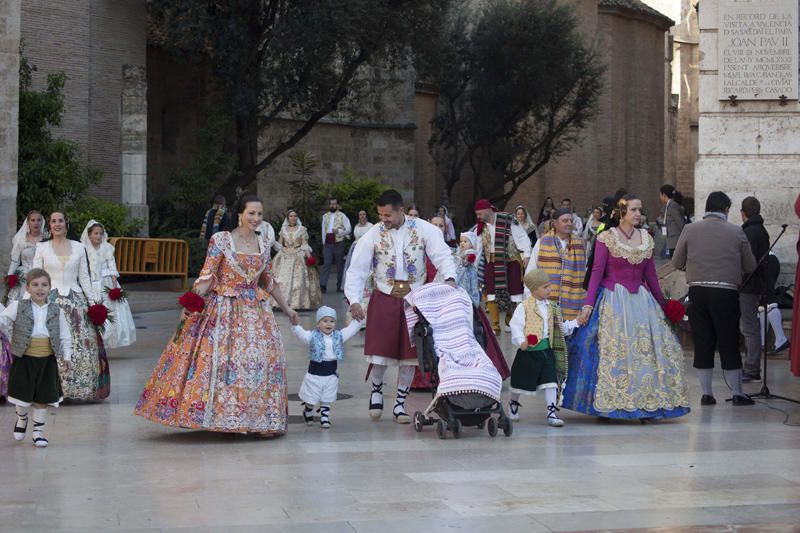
{"x": 299, "y": 282}
{"x": 358, "y": 231}
{"x": 23, "y": 249}
{"x": 66, "y": 261}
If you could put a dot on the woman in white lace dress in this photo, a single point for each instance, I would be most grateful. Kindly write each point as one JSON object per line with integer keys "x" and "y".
{"x": 299, "y": 281}
{"x": 358, "y": 231}
{"x": 23, "y": 249}
{"x": 103, "y": 272}
{"x": 66, "y": 261}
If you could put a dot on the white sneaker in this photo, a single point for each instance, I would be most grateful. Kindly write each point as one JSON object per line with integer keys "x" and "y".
{"x": 513, "y": 410}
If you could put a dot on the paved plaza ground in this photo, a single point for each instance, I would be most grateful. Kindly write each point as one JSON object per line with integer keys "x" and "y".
{"x": 721, "y": 468}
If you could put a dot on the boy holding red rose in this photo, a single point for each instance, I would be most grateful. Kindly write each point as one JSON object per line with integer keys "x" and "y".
{"x": 541, "y": 360}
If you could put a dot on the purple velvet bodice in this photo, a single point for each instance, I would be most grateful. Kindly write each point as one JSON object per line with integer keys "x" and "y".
{"x": 609, "y": 271}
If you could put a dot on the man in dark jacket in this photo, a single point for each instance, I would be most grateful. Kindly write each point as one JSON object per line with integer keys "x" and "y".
{"x": 757, "y": 285}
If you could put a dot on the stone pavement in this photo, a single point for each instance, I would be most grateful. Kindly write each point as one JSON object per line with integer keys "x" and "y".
{"x": 719, "y": 469}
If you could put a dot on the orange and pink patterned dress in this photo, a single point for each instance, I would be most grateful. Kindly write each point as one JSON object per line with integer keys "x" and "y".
{"x": 224, "y": 368}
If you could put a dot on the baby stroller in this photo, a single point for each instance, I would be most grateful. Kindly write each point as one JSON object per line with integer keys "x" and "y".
{"x": 468, "y": 394}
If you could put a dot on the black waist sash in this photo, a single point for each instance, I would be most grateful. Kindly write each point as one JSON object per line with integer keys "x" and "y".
{"x": 322, "y": 368}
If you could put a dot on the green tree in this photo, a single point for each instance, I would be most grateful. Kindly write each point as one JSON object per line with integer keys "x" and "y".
{"x": 304, "y": 190}
{"x": 51, "y": 175}
{"x": 356, "y": 193}
{"x": 518, "y": 83}
{"x": 179, "y": 212}
{"x": 274, "y": 59}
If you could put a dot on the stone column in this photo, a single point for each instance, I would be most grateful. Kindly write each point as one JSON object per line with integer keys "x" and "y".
{"x": 9, "y": 124}
{"x": 747, "y": 147}
{"x": 134, "y": 142}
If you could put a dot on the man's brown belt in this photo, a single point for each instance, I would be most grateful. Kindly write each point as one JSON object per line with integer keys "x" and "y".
{"x": 400, "y": 289}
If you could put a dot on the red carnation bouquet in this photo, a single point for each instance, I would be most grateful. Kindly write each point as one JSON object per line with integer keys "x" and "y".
{"x": 99, "y": 315}
{"x": 533, "y": 340}
{"x": 471, "y": 258}
{"x": 192, "y": 302}
{"x": 674, "y": 310}
{"x": 12, "y": 280}
{"x": 311, "y": 261}
{"x": 117, "y": 294}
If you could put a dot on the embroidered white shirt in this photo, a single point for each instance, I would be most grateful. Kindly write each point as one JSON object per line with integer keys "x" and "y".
{"x": 9, "y": 316}
{"x": 361, "y": 261}
{"x": 517, "y": 323}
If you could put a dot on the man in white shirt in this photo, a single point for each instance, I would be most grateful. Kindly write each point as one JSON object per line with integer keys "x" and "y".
{"x": 505, "y": 249}
{"x": 394, "y": 252}
{"x": 335, "y": 232}
{"x": 577, "y": 221}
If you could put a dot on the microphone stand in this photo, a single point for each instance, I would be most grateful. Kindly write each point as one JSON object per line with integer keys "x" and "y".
{"x": 764, "y": 392}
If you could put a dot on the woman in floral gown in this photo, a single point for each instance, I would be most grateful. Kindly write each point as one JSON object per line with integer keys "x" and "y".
{"x": 626, "y": 362}
{"x": 299, "y": 281}
{"x": 224, "y": 368}
{"x": 88, "y": 377}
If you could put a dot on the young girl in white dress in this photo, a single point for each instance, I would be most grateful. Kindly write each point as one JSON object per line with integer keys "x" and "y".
{"x": 121, "y": 331}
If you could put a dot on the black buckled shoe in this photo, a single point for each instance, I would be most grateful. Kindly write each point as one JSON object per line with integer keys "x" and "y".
{"x": 742, "y": 400}
{"x": 705, "y": 399}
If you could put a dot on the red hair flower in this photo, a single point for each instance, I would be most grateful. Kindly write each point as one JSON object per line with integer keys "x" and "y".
{"x": 192, "y": 302}
{"x": 533, "y": 340}
{"x": 12, "y": 280}
{"x": 674, "y": 311}
{"x": 471, "y": 258}
{"x": 311, "y": 261}
{"x": 98, "y": 314}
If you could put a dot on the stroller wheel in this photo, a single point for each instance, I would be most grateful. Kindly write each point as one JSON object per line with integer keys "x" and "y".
{"x": 491, "y": 427}
{"x": 457, "y": 428}
{"x": 506, "y": 426}
{"x": 419, "y": 421}
{"x": 441, "y": 429}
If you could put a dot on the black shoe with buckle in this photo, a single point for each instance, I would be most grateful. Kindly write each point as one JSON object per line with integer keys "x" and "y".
{"x": 706, "y": 399}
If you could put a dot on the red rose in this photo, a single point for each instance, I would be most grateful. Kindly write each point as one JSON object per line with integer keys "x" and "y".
{"x": 173, "y": 402}
{"x": 12, "y": 280}
{"x": 479, "y": 228}
{"x": 471, "y": 258}
{"x": 533, "y": 340}
{"x": 115, "y": 294}
{"x": 192, "y": 302}
{"x": 311, "y": 261}
{"x": 674, "y": 311}
{"x": 98, "y": 314}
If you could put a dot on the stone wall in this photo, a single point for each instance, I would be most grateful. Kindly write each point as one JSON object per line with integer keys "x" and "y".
{"x": 9, "y": 124}
{"x": 381, "y": 144}
{"x": 747, "y": 149}
{"x": 387, "y": 152}
{"x": 92, "y": 41}
{"x": 624, "y": 146}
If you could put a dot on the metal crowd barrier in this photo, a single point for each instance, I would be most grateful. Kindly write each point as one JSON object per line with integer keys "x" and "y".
{"x": 152, "y": 257}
